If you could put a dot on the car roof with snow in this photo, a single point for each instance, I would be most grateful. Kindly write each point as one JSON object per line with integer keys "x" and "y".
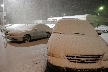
{"x": 30, "y": 26}
{"x": 39, "y": 26}
{"x": 72, "y": 26}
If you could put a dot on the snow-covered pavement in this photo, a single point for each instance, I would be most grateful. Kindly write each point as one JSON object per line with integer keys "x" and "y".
{"x": 25, "y": 57}
{"x": 105, "y": 36}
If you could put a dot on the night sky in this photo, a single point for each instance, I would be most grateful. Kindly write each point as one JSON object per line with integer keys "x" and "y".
{"x": 76, "y": 7}
{"x": 27, "y": 11}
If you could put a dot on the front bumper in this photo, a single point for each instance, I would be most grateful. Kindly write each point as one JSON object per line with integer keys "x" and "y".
{"x": 54, "y": 68}
{"x": 63, "y": 65}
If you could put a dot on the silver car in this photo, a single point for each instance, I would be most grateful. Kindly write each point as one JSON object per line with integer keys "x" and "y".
{"x": 29, "y": 32}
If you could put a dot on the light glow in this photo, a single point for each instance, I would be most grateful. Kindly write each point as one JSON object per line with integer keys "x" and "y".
{"x": 101, "y": 8}
{"x": 2, "y": 5}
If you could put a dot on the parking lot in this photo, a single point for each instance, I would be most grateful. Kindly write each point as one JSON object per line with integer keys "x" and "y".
{"x": 25, "y": 57}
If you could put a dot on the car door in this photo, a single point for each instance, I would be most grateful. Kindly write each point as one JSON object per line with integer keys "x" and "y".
{"x": 33, "y": 34}
{"x": 40, "y": 33}
{"x": 37, "y": 33}
{"x": 44, "y": 34}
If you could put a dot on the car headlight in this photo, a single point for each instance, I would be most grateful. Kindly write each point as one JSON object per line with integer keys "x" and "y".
{"x": 105, "y": 57}
{"x": 11, "y": 34}
{"x": 56, "y": 54}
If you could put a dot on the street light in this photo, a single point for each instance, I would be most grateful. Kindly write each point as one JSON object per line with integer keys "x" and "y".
{"x": 100, "y": 9}
{"x": 64, "y": 14}
{"x": 2, "y": 5}
{"x": 3, "y": 12}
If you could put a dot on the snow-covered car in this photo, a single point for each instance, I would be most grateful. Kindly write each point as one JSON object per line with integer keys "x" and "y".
{"x": 29, "y": 32}
{"x": 5, "y": 26}
{"x": 75, "y": 45}
{"x": 103, "y": 28}
{"x": 13, "y": 27}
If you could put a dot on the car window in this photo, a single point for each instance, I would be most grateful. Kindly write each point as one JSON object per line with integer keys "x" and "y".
{"x": 30, "y": 26}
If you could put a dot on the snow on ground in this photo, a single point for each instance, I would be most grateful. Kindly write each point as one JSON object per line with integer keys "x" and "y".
{"x": 25, "y": 57}
{"x": 105, "y": 36}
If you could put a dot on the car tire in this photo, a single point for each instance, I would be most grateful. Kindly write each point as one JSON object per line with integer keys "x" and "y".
{"x": 27, "y": 38}
{"x": 19, "y": 42}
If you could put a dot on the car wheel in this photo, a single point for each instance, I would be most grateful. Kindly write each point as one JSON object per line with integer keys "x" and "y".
{"x": 27, "y": 38}
{"x": 19, "y": 42}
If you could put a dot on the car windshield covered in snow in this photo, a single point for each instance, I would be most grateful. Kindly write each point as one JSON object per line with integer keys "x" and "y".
{"x": 74, "y": 27}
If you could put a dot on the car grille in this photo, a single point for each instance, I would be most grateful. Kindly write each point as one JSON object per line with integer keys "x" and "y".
{"x": 84, "y": 58}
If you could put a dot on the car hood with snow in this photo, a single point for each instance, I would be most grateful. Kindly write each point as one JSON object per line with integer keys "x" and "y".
{"x": 13, "y": 27}
{"x": 77, "y": 44}
{"x": 76, "y": 37}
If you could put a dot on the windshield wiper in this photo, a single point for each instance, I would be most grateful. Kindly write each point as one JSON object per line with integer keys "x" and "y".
{"x": 79, "y": 33}
{"x": 76, "y": 33}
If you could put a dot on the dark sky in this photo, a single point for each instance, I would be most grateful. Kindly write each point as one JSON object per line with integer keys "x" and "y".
{"x": 27, "y": 11}
{"x": 76, "y": 7}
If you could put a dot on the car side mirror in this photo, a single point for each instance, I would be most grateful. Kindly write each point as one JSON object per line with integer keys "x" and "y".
{"x": 99, "y": 33}
{"x": 107, "y": 44}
